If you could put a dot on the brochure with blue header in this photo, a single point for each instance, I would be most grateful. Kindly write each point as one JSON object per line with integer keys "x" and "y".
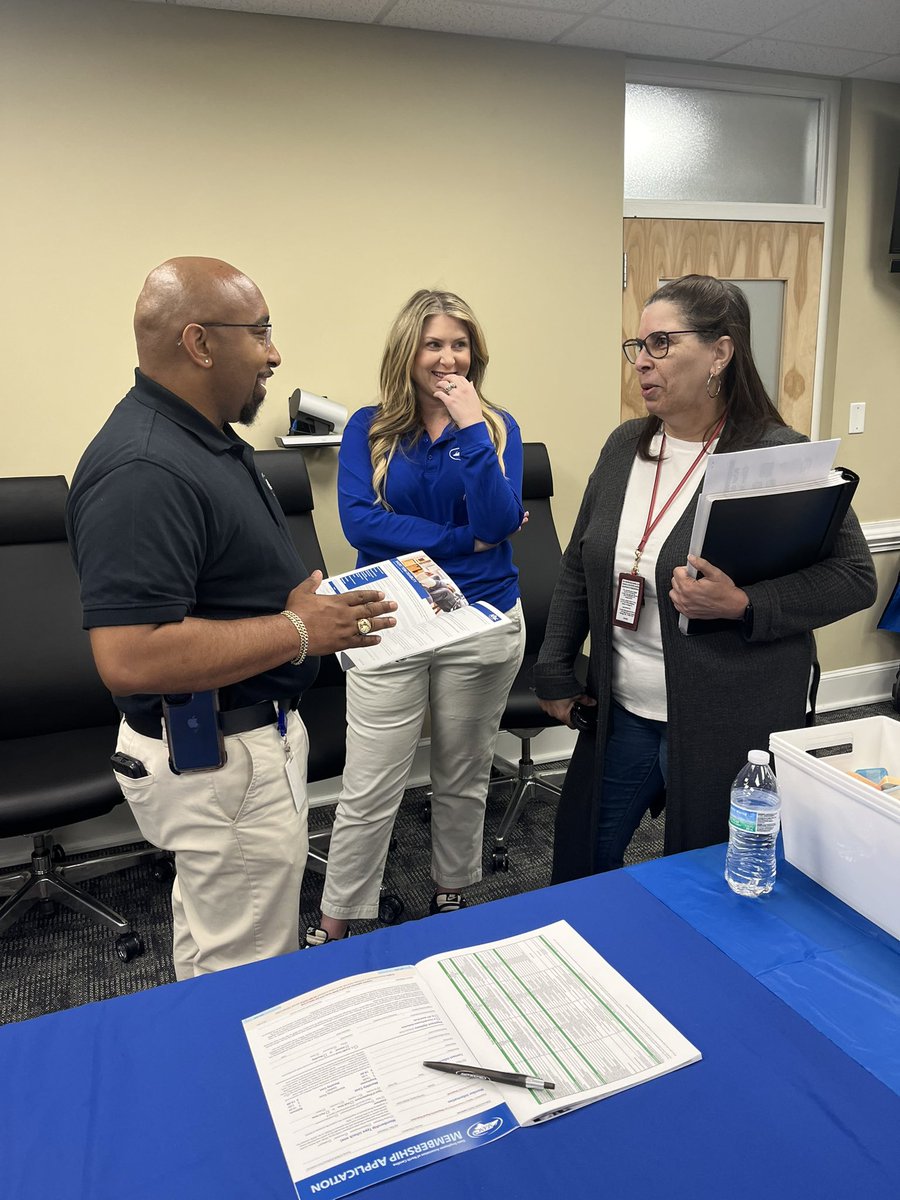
{"x": 431, "y": 610}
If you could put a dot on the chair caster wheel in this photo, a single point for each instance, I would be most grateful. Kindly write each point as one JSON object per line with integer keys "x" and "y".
{"x": 163, "y": 870}
{"x": 425, "y": 812}
{"x": 129, "y": 946}
{"x": 46, "y": 907}
{"x": 57, "y": 854}
{"x": 500, "y": 860}
{"x": 390, "y": 908}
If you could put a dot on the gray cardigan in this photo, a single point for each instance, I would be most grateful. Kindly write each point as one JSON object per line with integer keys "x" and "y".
{"x": 726, "y": 692}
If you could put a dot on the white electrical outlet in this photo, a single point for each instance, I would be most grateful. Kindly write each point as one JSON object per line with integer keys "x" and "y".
{"x": 857, "y": 417}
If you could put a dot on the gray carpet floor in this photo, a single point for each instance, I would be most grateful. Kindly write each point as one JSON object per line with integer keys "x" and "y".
{"x": 57, "y": 960}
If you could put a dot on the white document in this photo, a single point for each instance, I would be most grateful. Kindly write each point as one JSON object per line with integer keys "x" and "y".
{"x": 341, "y": 1067}
{"x": 431, "y": 609}
{"x": 770, "y": 466}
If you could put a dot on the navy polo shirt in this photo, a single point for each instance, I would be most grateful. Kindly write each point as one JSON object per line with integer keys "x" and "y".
{"x": 168, "y": 517}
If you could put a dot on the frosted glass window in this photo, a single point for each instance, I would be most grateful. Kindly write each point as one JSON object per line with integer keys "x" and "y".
{"x": 766, "y": 300}
{"x": 703, "y": 144}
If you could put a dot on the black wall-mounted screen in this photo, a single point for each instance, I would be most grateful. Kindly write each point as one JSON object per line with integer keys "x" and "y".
{"x": 895, "y": 228}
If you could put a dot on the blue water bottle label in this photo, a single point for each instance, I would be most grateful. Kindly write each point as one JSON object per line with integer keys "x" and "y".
{"x": 752, "y": 821}
{"x": 743, "y": 819}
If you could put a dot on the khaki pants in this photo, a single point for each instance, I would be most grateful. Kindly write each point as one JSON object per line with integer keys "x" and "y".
{"x": 240, "y": 846}
{"x": 466, "y": 686}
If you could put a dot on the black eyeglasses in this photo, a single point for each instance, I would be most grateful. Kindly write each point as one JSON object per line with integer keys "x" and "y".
{"x": 260, "y": 325}
{"x": 656, "y": 344}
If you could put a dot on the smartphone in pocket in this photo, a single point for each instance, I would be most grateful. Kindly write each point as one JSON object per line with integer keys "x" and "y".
{"x": 131, "y": 768}
{"x": 192, "y": 731}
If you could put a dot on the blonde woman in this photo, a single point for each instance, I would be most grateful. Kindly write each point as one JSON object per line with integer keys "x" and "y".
{"x": 435, "y": 467}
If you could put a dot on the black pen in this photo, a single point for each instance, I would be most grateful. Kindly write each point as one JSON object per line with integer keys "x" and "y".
{"x": 512, "y": 1077}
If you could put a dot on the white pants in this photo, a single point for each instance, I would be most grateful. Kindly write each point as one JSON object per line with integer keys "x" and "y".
{"x": 240, "y": 845}
{"x": 466, "y": 686}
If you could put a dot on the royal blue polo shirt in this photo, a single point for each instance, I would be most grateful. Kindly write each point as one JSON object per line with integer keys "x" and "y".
{"x": 443, "y": 495}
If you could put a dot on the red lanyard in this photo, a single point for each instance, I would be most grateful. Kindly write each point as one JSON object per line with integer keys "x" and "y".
{"x": 652, "y": 521}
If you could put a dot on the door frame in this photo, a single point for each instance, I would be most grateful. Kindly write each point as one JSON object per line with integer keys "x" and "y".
{"x": 828, "y": 92}
{"x": 790, "y": 252}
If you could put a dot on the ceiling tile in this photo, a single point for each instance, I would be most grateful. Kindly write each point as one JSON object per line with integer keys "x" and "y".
{"x": 486, "y": 20}
{"x": 821, "y": 37}
{"x": 794, "y": 56}
{"x": 349, "y": 10}
{"x": 851, "y": 24}
{"x": 636, "y": 37}
{"x": 574, "y": 8}
{"x": 888, "y": 70}
{"x": 731, "y": 16}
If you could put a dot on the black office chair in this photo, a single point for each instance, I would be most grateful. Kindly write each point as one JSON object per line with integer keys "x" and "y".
{"x": 537, "y": 554}
{"x": 57, "y": 722}
{"x": 324, "y": 705}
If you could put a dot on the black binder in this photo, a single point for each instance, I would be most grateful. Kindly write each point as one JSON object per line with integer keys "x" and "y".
{"x": 770, "y": 533}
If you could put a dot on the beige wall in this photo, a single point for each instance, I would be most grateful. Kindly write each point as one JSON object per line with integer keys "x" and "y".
{"x": 864, "y": 311}
{"x": 342, "y": 167}
{"x": 864, "y": 342}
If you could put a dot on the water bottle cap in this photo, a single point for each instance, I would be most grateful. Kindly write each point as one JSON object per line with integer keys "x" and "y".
{"x": 760, "y": 757}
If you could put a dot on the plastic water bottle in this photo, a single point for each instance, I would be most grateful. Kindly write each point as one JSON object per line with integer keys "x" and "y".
{"x": 753, "y": 828}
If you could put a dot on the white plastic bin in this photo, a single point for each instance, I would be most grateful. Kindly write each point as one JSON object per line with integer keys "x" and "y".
{"x": 840, "y": 831}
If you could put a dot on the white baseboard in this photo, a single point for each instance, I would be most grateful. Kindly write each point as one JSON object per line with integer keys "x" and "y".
{"x": 118, "y": 828}
{"x": 838, "y": 689}
{"x": 870, "y": 684}
{"x": 548, "y": 745}
{"x": 882, "y": 535}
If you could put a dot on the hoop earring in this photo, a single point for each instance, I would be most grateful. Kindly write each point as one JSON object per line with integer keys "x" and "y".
{"x": 713, "y": 376}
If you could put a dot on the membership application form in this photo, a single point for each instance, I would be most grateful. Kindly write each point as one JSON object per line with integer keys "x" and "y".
{"x": 341, "y": 1066}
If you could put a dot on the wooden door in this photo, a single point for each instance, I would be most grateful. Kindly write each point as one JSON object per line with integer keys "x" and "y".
{"x": 658, "y": 249}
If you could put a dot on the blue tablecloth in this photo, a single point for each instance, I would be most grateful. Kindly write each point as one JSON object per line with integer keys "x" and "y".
{"x": 827, "y": 962}
{"x": 155, "y": 1094}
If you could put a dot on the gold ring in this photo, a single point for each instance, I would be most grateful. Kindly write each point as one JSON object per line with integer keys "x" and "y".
{"x": 448, "y": 388}
{"x": 364, "y": 625}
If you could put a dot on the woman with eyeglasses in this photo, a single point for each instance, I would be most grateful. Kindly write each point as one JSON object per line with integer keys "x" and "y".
{"x": 664, "y": 719}
{"x": 433, "y": 466}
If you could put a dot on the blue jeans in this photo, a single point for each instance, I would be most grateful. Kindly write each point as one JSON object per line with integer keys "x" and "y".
{"x": 634, "y": 775}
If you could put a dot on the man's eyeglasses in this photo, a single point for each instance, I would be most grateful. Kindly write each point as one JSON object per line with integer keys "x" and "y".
{"x": 656, "y": 344}
{"x": 259, "y": 325}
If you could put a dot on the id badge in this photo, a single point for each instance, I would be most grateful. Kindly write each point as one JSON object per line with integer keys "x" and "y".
{"x": 629, "y": 599}
{"x": 294, "y": 768}
{"x": 296, "y": 777}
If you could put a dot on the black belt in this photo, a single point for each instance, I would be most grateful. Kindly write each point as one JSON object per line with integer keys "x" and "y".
{"x": 232, "y": 720}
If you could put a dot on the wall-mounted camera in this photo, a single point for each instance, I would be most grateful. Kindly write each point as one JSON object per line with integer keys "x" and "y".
{"x": 313, "y": 415}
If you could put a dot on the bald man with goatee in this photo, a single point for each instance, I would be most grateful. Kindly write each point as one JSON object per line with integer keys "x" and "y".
{"x": 191, "y": 586}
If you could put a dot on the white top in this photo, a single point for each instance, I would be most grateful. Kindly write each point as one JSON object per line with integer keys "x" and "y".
{"x": 639, "y": 679}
